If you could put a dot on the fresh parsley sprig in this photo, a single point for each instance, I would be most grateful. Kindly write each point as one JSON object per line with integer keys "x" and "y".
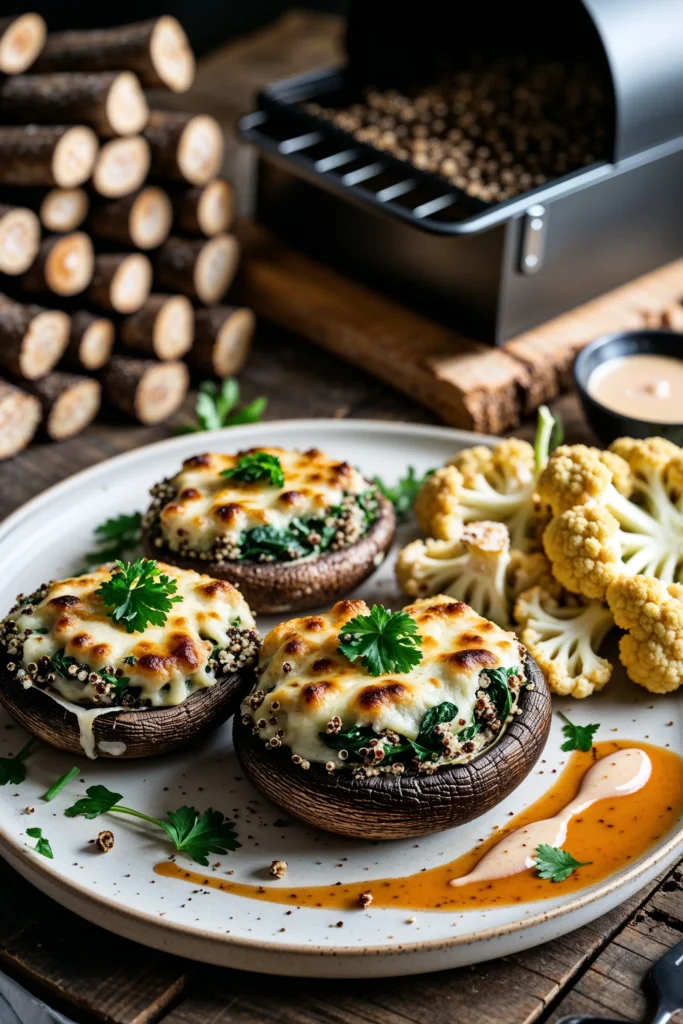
{"x": 403, "y": 494}
{"x": 555, "y": 863}
{"x": 116, "y": 539}
{"x": 13, "y": 769}
{"x": 579, "y": 737}
{"x": 384, "y": 641}
{"x": 216, "y": 407}
{"x": 257, "y": 466}
{"x": 195, "y": 834}
{"x": 43, "y": 845}
{"x": 138, "y": 594}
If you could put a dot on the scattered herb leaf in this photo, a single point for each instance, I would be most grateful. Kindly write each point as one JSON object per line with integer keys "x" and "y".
{"x": 61, "y": 783}
{"x": 555, "y": 863}
{"x": 257, "y": 466}
{"x": 43, "y": 845}
{"x": 116, "y": 539}
{"x": 197, "y": 835}
{"x": 13, "y": 769}
{"x": 579, "y": 737}
{"x": 138, "y": 594}
{"x": 216, "y": 407}
{"x": 384, "y": 641}
{"x": 402, "y": 496}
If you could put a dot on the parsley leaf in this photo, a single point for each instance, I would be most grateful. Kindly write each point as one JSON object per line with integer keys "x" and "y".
{"x": 402, "y": 496}
{"x": 13, "y": 769}
{"x": 257, "y": 466}
{"x": 384, "y": 641}
{"x": 579, "y": 737}
{"x": 138, "y": 594}
{"x": 555, "y": 863}
{"x": 193, "y": 833}
{"x": 216, "y": 407}
{"x": 43, "y": 845}
{"x": 115, "y": 539}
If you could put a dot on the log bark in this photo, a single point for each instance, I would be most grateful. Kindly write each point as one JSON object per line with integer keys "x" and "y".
{"x": 21, "y": 40}
{"x": 69, "y": 403}
{"x": 32, "y": 339}
{"x": 144, "y": 389}
{"x": 222, "y": 340}
{"x": 19, "y": 238}
{"x": 111, "y": 102}
{"x": 204, "y": 211}
{"x": 185, "y": 147}
{"x": 121, "y": 167}
{"x": 47, "y": 155}
{"x": 162, "y": 328}
{"x": 121, "y": 282}
{"x": 64, "y": 265}
{"x": 19, "y": 418}
{"x": 201, "y": 269}
{"x": 141, "y": 220}
{"x": 91, "y": 340}
{"x": 158, "y": 51}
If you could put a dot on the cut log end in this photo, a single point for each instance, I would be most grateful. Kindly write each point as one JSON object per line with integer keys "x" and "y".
{"x": 146, "y": 390}
{"x": 150, "y": 218}
{"x": 21, "y": 42}
{"x": 69, "y": 264}
{"x": 223, "y": 337}
{"x": 126, "y": 107}
{"x": 64, "y": 209}
{"x": 91, "y": 341}
{"x": 19, "y": 239}
{"x": 171, "y": 54}
{"x": 74, "y": 157}
{"x": 131, "y": 284}
{"x": 200, "y": 150}
{"x": 214, "y": 208}
{"x": 173, "y": 330}
{"x": 69, "y": 403}
{"x": 122, "y": 166}
{"x": 43, "y": 344}
{"x": 19, "y": 418}
{"x": 215, "y": 268}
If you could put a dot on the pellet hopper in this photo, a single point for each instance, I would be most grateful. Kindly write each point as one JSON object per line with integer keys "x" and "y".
{"x": 496, "y": 166}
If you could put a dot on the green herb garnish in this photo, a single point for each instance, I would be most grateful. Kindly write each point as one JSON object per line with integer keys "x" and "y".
{"x": 138, "y": 594}
{"x": 555, "y": 863}
{"x": 43, "y": 845}
{"x": 116, "y": 539}
{"x": 216, "y": 408}
{"x": 579, "y": 737}
{"x": 257, "y": 466}
{"x": 384, "y": 641}
{"x": 195, "y": 834}
{"x": 61, "y": 783}
{"x": 402, "y": 496}
{"x": 13, "y": 769}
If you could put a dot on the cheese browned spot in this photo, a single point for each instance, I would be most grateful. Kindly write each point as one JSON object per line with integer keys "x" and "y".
{"x": 457, "y": 644}
{"x": 165, "y": 663}
{"x": 208, "y": 509}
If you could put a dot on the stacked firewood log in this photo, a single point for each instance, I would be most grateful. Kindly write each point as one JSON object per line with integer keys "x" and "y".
{"x": 115, "y": 245}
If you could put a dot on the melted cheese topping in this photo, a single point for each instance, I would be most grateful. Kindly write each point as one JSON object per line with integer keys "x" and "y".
{"x": 170, "y": 660}
{"x": 303, "y": 672}
{"x": 209, "y": 507}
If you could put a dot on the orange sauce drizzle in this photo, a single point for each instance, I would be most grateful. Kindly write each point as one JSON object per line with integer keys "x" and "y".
{"x": 611, "y": 834}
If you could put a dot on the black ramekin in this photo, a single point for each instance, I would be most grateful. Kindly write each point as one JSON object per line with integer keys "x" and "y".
{"x": 606, "y": 423}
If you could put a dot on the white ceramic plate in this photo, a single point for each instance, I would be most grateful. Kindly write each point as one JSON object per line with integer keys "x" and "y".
{"x": 46, "y": 539}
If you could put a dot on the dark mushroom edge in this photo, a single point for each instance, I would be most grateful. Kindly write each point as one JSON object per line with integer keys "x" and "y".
{"x": 389, "y": 806}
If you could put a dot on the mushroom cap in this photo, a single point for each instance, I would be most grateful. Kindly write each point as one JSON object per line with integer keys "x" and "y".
{"x": 390, "y": 806}
{"x": 146, "y": 732}
{"x": 274, "y": 587}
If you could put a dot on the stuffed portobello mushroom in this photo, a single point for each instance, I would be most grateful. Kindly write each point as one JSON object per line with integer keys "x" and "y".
{"x": 129, "y": 660}
{"x": 385, "y": 725}
{"x": 292, "y": 529}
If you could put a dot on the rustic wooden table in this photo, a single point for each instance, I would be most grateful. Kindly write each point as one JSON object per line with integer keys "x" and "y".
{"x": 92, "y": 975}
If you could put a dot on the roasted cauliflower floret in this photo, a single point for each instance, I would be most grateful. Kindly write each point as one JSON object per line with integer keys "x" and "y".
{"x": 603, "y": 531}
{"x": 437, "y": 505}
{"x": 530, "y": 569}
{"x": 565, "y": 638}
{"x": 652, "y": 613}
{"x": 472, "y": 569}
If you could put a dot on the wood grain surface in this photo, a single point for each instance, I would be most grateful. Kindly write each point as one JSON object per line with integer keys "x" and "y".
{"x": 93, "y": 976}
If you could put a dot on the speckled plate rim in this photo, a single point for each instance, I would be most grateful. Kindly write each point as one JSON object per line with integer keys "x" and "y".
{"x": 84, "y": 895}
